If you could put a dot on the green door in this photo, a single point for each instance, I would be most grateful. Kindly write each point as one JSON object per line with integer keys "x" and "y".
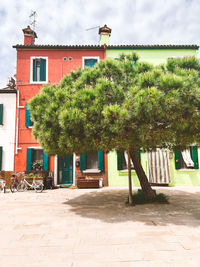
{"x": 65, "y": 170}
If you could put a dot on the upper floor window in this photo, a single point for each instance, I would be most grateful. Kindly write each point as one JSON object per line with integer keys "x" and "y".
{"x": 39, "y": 69}
{"x": 90, "y": 61}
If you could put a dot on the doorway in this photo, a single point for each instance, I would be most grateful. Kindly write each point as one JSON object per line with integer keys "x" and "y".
{"x": 65, "y": 170}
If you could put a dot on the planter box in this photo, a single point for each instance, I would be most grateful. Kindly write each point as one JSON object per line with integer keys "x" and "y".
{"x": 89, "y": 183}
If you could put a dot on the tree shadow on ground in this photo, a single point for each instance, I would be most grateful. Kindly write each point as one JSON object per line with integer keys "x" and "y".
{"x": 108, "y": 205}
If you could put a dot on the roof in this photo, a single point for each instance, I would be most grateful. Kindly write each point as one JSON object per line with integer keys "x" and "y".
{"x": 156, "y": 46}
{"x": 8, "y": 91}
{"x": 101, "y": 47}
{"x": 70, "y": 47}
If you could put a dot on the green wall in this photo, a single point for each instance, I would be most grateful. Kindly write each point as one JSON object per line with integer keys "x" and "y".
{"x": 120, "y": 178}
{"x": 154, "y": 56}
{"x": 178, "y": 177}
{"x": 184, "y": 177}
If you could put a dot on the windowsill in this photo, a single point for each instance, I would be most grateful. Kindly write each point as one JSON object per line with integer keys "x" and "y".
{"x": 126, "y": 170}
{"x": 39, "y": 82}
{"x": 29, "y": 127}
{"x": 187, "y": 170}
{"x": 91, "y": 171}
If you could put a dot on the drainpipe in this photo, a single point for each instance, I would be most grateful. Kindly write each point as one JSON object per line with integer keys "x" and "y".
{"x": 17, "y": 125}
{"x": 104, "y": 51}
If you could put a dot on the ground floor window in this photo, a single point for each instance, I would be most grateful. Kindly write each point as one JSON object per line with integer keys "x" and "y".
{"x": 93, "y": 161}
{"x": 37, "y": 159}
{"x": 187, "y": 159}
{"x": 122, "y": 160}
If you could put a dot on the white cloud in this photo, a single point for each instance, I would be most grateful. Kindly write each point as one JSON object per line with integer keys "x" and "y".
{"x": 66, "y": 21}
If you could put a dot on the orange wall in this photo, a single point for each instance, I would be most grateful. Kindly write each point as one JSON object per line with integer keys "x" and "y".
{"x": 27, "y": 90}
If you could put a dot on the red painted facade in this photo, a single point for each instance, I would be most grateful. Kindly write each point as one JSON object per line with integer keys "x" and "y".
{"x": 56, "y": 68}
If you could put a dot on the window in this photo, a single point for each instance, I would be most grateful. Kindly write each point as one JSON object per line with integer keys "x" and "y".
{"x": 1, "y": 114}
{"x": 187, "y": 159}
{"x": 93, "y": 161}
{"x": 39, "y": 67}
{"x": 28, "y": 121}
{"x": 37, "y": 159}
{"x": 1, "y": 155}
{"x": 90, "y": 61}
{"x": 122, "y": 160}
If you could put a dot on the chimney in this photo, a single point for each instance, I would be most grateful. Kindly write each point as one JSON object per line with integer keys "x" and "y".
{"x": 29, "y": 36}
{"x": 105, "y": 33}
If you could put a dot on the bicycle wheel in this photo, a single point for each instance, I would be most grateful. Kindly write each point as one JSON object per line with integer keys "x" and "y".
{"x": 13, "y": 187}
{"x": 21, "y": 187}
{"x": 38, "y": 187}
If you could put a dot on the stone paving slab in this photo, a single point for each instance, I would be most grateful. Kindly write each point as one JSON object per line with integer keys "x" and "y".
{"x": 94, "y": 228}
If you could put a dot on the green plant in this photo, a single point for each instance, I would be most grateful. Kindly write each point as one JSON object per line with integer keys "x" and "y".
{"x": 140, "y": 198}
{"x": 38, "y": 164}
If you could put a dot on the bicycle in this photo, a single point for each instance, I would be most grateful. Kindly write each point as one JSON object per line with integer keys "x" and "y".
{"x": 14, "y": 183}
{"x": 25, "y": 185}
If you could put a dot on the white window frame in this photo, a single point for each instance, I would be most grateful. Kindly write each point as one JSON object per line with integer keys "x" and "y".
{"x": 31, "y": 70}
{"x": 83, "y": 60}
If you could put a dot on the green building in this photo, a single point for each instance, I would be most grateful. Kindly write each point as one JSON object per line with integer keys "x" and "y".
{"x": 162, "y": 167}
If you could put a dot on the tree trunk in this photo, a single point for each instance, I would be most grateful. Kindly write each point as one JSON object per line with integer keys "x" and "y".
{"x": 130, "y": 195}
{"x": 146, "y": 188}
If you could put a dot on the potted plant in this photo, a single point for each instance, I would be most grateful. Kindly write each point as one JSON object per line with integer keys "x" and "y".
{"x": 37, "y": 165}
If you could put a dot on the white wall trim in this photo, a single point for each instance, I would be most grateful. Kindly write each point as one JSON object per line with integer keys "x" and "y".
{"x": 31, "y": 70}
{"x": 55, "y": 169}
{"x": 89, "y": 57}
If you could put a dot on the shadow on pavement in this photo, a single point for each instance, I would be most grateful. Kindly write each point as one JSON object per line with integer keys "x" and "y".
{"x": 109, "y": 205}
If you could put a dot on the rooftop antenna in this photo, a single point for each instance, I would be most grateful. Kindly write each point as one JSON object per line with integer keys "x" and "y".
{"x": 93, "y": 28}
{"x": 32, "y": 17}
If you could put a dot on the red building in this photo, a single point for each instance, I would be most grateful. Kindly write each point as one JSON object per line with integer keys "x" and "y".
{"x": 47, "y": 64}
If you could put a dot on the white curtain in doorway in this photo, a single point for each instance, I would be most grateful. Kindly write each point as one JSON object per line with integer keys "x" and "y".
{"x": 158, "y": 166}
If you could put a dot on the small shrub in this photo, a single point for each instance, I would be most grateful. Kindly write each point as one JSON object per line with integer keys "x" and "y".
{"x": 139, "y": 198}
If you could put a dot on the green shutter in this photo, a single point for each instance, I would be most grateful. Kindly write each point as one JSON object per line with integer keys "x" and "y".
{"x": 1, "y": 153}
{"x": 42, "y": 70}
{"x": 138, "y": 153}
{"x": 134, "y": 63}
{"x": 100, "y": 160}
{"x": 28, "y": 159}
{"x": 90, "y": 62}
{"x": 116, "y": 58}
{"x": 28, "y": 121}
{"x": 45, "y": 162}
{"x": 1, "y": 114}
{"x": 177, "y": 160}
{"x": 34, "y": 71}
{"x": 82, "y": 162}
{"x": 119, "y": 160}
{"x": 194, "y": 155}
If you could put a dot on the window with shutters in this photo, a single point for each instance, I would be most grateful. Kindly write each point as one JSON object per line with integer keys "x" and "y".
{"x": 92, "y": 162}
{"x": 39, "y": 69}
{"x": 187, "y": 159}
{"x": 89, "y": 61}
{"x": 28, "y": 121}
{"x": 122, "y": 160}
{"x": 1, "y": 114}
{"x": 37, "y": 159}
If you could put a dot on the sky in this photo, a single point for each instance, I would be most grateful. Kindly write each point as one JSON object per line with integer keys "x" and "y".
{"x": 66, "y": 22}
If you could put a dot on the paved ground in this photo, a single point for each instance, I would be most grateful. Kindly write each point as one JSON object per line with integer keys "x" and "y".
{"x": 94, "y": 228}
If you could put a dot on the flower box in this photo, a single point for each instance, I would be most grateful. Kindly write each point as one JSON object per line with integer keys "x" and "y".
{"x": 89, "y": 182}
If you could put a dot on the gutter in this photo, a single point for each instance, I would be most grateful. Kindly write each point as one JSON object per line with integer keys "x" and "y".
{"x": 17, "y": 125}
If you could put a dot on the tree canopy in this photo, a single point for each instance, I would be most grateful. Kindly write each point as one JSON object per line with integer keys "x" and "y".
{"x": 119, "y": 103}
